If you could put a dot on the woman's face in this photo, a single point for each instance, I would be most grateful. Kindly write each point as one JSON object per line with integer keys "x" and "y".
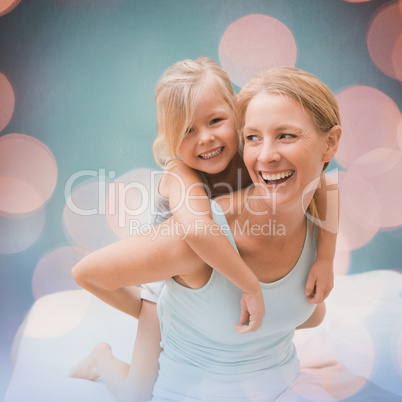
{"x": 283, "y": 151}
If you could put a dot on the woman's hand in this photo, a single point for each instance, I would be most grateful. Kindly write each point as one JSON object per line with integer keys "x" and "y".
{"x": 252, "y": 312}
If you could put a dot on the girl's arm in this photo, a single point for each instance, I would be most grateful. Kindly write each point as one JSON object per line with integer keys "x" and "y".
{"x": 191, "y": 207}
{"x": 321, "y": 277}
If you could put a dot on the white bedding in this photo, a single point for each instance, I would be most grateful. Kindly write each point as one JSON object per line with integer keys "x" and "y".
{"x": 356, "y": 353}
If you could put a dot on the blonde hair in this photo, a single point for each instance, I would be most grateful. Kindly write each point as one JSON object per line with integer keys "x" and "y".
{"x": 306, "y": 89}
{"x": 176, "y": 96}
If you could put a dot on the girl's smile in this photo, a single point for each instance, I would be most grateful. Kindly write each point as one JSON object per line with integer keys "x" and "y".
{"x": 211, "y": 142}
{"x": 212, "y": 154}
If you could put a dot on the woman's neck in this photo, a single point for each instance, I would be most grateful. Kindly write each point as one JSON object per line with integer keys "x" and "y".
{"x": 280, "y": 220}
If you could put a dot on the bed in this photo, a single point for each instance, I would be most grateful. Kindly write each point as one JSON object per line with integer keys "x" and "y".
{"x": 356, "y": 353}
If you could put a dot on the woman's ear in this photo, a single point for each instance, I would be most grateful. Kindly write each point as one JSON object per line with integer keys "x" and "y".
{"x": 332, "y": 143}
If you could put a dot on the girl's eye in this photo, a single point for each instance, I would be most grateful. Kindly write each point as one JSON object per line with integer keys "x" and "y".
{"x": 190, "y": 130}
{"x": 217, "y": 120}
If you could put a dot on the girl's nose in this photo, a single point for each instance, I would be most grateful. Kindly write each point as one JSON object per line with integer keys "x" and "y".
{"x": 269, "y": 153}
{"x": 205, "y": 136}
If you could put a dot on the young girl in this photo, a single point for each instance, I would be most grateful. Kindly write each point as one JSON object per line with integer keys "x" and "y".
{"x": 198, "y": 146}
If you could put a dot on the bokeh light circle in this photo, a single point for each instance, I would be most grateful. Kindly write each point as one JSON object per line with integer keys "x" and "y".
{"x": 56, "y": 314}
{"x": 360, "y": 210}
{"x": 7, "y": 6}
{"x": 397, "y": 58}
{"x": 84, "y": 216}
{"x": 253, "y": 44}
{"x": 17, "y": 233}
{"x": 382, "y": 169}
{"x": 370, "y": 120}
{"x": 400, "y": 133}
{"x": 7, "y": 101}
{"x": 130, "y": 202}
{"x": 384, "y": 31}
{"x": 332, "y": 343}
{"x": 342, "y": 256}
{"x": 28, "y": 174}
{"x": 53, "y": 272}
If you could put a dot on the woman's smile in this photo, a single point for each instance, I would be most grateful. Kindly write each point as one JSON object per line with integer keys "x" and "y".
{"x": 277, "y": 178}
{"x": 282, "y": 149}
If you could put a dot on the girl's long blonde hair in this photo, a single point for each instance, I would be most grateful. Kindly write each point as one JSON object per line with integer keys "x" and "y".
{"x": 176, "y": 96}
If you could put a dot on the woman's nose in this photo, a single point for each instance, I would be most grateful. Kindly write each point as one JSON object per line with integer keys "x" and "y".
{"x": 269, "y": 153}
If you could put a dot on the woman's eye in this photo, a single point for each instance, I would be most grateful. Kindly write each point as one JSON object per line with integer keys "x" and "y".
{"x": 287, "y": 136}
{"x": 251, "y": 137}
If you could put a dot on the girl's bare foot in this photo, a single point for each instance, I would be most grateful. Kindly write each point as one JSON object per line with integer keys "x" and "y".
{"x": 87, "y": 368}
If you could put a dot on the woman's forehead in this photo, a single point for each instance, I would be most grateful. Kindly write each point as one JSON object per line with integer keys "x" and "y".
{"x": 276, "y": 110}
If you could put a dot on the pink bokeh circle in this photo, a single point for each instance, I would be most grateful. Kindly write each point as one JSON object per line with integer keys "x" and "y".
{"x": 342, "y": 256}
{"x": 397, "y": 58}
{"x": 400, "y": 133}
{"x": 130, "y": 202}
{"x": 360, "y": 210}
{"x": 354, "y": 364}
{"x": 383, "y": 40}
{"x": 19, "y": 232}
{"x": 253, "y": 44}
{"x": 7, "y": 101}
{"x": 28, "y": 174}
{"x": 84, "y": 215}
{"x": 382, "y": 169}
{"x": 7, "y": 6}
{"x": 53, "y": 272}
{"x": 370, "y": 120}
{"x": 56, "y": 314}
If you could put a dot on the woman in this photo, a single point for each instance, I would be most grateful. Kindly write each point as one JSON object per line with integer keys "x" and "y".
{"x": 291, "y": 131}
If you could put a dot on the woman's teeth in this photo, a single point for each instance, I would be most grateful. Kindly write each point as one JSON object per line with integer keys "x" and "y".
{"x": 276, "y": 178}
{"x": 211, "y": 154}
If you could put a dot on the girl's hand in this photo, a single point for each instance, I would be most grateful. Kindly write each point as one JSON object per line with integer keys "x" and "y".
{"x": 320, "y": 281}
{"x": 252, "y": 312}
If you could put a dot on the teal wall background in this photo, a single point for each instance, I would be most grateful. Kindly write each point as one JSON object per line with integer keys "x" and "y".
{"x": 83, "y": 73}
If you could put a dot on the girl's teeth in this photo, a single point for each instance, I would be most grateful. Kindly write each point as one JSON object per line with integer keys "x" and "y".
{"x": 211, "y": 154}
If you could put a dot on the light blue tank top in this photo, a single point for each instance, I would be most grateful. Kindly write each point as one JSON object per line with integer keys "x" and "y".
{"x": 205, "y": 359}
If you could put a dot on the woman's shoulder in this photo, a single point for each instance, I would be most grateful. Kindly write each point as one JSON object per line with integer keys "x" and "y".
{"x": 232, "y": 204}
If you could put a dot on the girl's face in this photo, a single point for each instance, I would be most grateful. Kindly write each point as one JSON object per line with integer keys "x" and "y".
{"x": 211, "y": 142}
{"x": 283, "y": 150}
